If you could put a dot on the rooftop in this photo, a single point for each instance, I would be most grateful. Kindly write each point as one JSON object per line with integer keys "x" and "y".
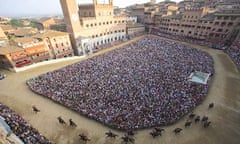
{"x": 25, "y": 31}
{"x": 25, "y": 40}
{"x": 6, "y": 28}
{"x": 2, "y": 34}
{"x": 9, "y": 49}
{"x": 3, "y": 39}
{"x": 50, "y": 33}
{"x": 44, "y": 19}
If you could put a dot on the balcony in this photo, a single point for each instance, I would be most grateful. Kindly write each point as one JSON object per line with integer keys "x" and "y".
{"x": 23, "y": 63}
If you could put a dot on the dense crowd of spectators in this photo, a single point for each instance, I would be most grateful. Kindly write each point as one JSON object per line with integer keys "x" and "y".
{"x": 21, "y": 128}
{"x": 212, "y": 44}
{"x": 141, "y": 85}
{"x": 234, "y": 52}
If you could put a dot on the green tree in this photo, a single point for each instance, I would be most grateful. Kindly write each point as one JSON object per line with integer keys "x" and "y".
{"x": 16, "y": 23}
{"x": 33, "y": 23}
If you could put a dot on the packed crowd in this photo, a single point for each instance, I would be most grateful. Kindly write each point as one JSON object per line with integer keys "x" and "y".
{"x": 212, "y": 44}
{"x": 21, "y": 128}
{"x": 141, "y": 85}
{"x": 234, "y": 52}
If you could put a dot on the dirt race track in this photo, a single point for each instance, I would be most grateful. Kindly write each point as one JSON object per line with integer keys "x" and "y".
{"x": 225, "y": 116}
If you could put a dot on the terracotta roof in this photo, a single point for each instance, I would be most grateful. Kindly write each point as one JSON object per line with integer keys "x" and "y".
{"x": 3, "y": 39}
{"x": 36, "y": 49}
{"x": 25, "y": 31}
{"x": 6, "y": 28}
{"x": 50, "y": 33}
{"x": 10, "y": 49}
{"x": 45, "y": 19}
{"x": 25, "y": 40}
{"x": 2, "y": 34}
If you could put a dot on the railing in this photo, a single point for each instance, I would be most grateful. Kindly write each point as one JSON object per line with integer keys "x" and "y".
{"x": 21, "y": 64}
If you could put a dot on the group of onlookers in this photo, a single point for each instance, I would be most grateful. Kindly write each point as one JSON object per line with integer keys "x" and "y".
{"x": 212, "y": 44}
{"x": 140, "y": 85}
{"x": 21, "y": 128}
{"x": 234, "y": 52}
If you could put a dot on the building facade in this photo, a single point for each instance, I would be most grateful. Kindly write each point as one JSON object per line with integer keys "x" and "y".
{"x": 92, "y": 25}
{"x": 211, "y": 21}
{"x": 135, "y": 29}
{"x": 58, "y": 43}
{"x": 13, "y": 57}
{"x": 23, "y": 51}
{"x": 45, "y": 23}
{"x": 35, "y": 49}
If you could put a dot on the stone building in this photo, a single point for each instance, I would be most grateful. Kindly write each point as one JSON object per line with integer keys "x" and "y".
{"x": 57, "y": 43}
{"x": 92, "y": 25}
{"x": 34, "y": 48}
{"x": 204, "y": 23}
{"x": 45, "y": 23}
{"x": 13, "y": 56}
{"x": 23, "y": 51}
{"x": 135, "y": 29}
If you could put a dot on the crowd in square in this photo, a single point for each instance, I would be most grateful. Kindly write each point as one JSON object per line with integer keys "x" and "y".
{"x": 234, "y": 52}
{"x": 21, "y": 128}
{"x": 142, "y": 84}
{"x": 212, "y": 44}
